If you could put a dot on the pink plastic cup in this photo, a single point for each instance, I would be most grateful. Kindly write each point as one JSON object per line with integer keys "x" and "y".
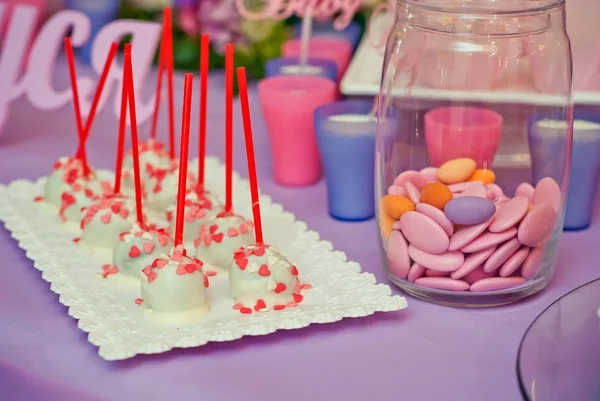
{"x": 288, "y": 103}
{"x": 454, "y": 132}
{"x": 334, "y": 49}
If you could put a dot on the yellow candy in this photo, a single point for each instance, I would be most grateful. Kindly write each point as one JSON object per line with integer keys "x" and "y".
{"x": 436, "y": 194}
{"x": 484, "y": 175}
{"x": 457, "y": 170}
{"x": 396, "y": 205}
{"x": 385, "y": 223}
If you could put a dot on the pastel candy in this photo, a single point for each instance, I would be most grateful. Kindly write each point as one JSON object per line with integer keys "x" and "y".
{"x": 395, "y": 205}
{"x": 496, "y": 283}
{"x": 461, "y": 186}
{"x": 475, "y": 190}
{"x": 488, "y": 239}
{"x": 414, "y": 177}
{"x": 531, "y": 266}
{"x": 396, "y": 190}
{"x": 437, "y": 215}
{"x": 509, "y": 214}
{"x": 469, "y": 210}
{"x": 448, "y": 261}
{"x": 436, "y": 273}
{"x": 483, "y": 175}
{"x": 547, "y": 192}
{"x": 467, "y": 234}
{"x": 430, "y": 174}
{"x": 442, "y": 283}
{"x": 385, "y": 223}
{"x": 537, "y": 225}
{"x": 514, "y": 262}
{"x": 424, "y": 233}
{"x": 476, "y": 275}
{"x": 397, "y": 254}
{"x": 436, "y": 194}
{"x": 472, "y": 262}
{"x": 493, "y": 191}
{"x": 525, "y": 189}
{"x": 416, "y": 271}
{"x": 456, "y": 170}
{"x": 412, "y": 192}
{"x": 501, "y": 255}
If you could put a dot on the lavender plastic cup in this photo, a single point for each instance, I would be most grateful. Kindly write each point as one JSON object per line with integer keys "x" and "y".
{"x": 346, "y": 138}
{"x": 352, "y": 33}
{"x": 291, "y": 66}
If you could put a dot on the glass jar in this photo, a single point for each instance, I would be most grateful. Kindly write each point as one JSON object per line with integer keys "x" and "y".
{"x": 473, "y": 146}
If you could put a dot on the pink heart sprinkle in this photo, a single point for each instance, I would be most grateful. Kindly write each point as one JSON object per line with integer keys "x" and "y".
{"x": 232, "y": 232}
{"x": 148, "y": 247}
{"x": 105, "y": 218}
{"x": 243, "y": 228}
{"x": 160, "y": 263}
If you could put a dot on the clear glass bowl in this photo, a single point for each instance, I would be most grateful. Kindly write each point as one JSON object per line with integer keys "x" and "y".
{"x": 559, "y": 355}
{"x": 473, "y": 143}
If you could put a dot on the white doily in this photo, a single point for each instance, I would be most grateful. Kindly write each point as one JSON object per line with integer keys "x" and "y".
{"x": 107, "y": 311}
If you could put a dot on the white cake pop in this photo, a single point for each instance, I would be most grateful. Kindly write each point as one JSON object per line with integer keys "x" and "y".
{"x": 175, "y": 284}
{"x": 220, "y": 237}
{"x": 161, "y": 187}
{"x": 153, "y": 157}
{"x": 106, "y": 219}
{"x": 261, "y": 278}
{"x": 198, "y": 211}
{"x": 80, "y": 195}
{"x": 66, "y": 171}
{"x": 136, "y": 249}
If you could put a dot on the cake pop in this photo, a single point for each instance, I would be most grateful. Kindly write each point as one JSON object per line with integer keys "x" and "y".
{"x": 115, "y": 213}
{"x": 140, "y": 246}
{"x": 261, "y": 277}
{"x": 174, "y": 285}
{"x": 200, "y": 204}
{"x": 153, "y": 155}
{"x": 73, "y": 184}
{"x": 221, "y": 236}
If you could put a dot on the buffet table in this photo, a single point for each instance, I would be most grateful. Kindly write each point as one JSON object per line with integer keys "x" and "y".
{"x": 426, "y": 352}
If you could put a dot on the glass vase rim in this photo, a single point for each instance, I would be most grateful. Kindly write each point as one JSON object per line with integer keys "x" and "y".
{"x": 446, "y": 7}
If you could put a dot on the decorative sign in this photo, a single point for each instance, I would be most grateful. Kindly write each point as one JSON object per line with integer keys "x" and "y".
{"x": 34, "y": 80}
{"x": 343, "y": 10}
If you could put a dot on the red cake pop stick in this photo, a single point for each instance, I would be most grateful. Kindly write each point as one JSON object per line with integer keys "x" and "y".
{"x": 121, "y": 140}
{"x": 168, "y": 34}
{"x": 73, "y": 76}
{"x": 183, "y": 157}
{"x": 134, "y": 136}
{"x": 228, "y": 127}
{"x": 241, "y": 76}
{"x": 88, "y": 124}
{"x": 161, "y": 68}
{"x": 203, "y": 90}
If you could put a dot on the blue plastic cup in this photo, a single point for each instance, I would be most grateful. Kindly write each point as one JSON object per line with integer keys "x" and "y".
{"x": 291, "y": 66}
{"x": 346, "y": 138}
{"x": 584, "y": 172}
{"x": 100, "y": 13}
{"x": 352, "y": 33}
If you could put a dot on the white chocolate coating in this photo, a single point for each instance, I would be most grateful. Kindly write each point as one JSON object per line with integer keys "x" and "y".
{"x": 198, "y": 211}
{"x": 153, "y": 156}
{"x": 220, "y": 237}
{"x": 161, "y": 188}
{"x": 81, "y": 195}
{"x": 137, "y": 249}
{"x": 261, "y": 278}
{"x": 66, "y": 171}
{"x": 106, "y": 219}
{"x": 174, "y": 283}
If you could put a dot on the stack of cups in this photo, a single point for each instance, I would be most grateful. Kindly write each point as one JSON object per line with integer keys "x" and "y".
{"x": 325, "y": 29}
{"x": 288, "y": 103}
{"x": 336, "y": 50}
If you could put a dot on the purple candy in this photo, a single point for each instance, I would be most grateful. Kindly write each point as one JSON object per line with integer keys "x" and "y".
{"x": 469, "y": 210}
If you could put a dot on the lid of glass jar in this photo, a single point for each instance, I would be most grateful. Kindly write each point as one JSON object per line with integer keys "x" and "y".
{"x": 485, "y": 6}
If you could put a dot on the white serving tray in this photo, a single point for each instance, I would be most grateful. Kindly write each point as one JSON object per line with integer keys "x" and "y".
{"x": 107, "y": 310}
{"x": 363, "y": 77}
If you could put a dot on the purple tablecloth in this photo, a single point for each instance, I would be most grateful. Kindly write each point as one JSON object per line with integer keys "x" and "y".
{"x": 426, "y": 352}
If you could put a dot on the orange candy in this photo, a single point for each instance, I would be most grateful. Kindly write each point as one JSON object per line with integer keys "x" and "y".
{"x": 396, "y": 205}
{"x": 484, "y": 175}
{"x": 436, "y": 194}
{"x": 385, "y": 223}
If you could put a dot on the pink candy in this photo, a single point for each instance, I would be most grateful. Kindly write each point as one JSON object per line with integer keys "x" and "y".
{"x": 506, "y": 251}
